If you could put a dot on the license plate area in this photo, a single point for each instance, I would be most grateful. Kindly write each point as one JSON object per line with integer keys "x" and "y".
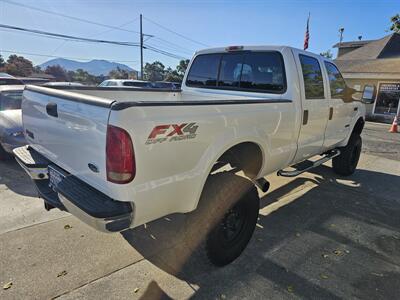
{"x": 56, "y": 175}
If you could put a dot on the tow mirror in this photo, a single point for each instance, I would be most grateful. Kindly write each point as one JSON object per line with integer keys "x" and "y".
{"x": 368, "y": 94}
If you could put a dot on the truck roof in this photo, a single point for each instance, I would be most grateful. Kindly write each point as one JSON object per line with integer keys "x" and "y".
{"x": 232, "y": 49}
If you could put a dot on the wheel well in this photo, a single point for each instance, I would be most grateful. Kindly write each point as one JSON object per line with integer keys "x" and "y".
{"x": 245, "y": 156}
{"x": 359, "y": 126}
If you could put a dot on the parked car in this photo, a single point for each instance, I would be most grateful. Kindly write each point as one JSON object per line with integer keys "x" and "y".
{"x": 62, "y": 83}
{"x": 118, "y": 159}
{"x": 6, "y": 79}
{"x": 126, "y": 83}
{"x": 11, "y": 131}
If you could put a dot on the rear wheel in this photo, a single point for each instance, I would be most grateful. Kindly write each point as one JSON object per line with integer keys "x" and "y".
{"x": 225, "y": 219}
{"x": 346, "y": 163}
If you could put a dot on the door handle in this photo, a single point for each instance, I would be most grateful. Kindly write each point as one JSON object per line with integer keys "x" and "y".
{"x": 305, "y": 117}
{"x": 51, "y": 109}
{"x": 330, "y": 113}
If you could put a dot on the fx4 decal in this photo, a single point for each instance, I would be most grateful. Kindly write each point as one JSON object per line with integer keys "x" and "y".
{"x": 172, "y": 132}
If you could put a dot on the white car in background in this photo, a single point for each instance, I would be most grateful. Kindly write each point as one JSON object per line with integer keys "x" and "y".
{"x": 126, "y": 83}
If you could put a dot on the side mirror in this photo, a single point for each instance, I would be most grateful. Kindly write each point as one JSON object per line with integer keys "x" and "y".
{"x": 368, "y": 94}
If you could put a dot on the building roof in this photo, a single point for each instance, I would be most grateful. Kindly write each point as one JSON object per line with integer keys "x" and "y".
{"x": 386, "y": 47}
{"x": 352, "y": 44}
{"x": 389, "y": 65}
{"x": 378, "y": 56}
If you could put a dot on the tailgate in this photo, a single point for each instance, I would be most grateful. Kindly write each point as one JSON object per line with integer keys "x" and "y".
{"x": 69, "y": 129}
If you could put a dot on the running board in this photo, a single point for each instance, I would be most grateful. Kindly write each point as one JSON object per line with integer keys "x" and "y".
{"x": 306, "y": 165}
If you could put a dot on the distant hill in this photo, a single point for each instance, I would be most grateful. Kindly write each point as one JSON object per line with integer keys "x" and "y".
{"x": 95, "y": 67}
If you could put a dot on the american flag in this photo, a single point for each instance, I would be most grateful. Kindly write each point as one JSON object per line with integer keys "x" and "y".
{"x": 307, "y": 37}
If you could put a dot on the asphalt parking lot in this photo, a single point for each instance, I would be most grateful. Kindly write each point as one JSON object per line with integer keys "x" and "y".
{"x": 319, "y": 236}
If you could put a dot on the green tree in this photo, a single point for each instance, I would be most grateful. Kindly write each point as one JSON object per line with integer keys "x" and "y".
{"x": 18, "y": 66}
{"x": 58, "y": 72}
{"x": 327, "y": 54}
{"x": 172, "y": 75}
{"x": 118, "y": 73}
{"x": 83, "y": 77}
{"x": 2, "y": 62}
{"x": 37, "y": 70}
{"x": 154, "y": 71}
{"x": 395, "y": 27}
{"x": 181, "y": 68}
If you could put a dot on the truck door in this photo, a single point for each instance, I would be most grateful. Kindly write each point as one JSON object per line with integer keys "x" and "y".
{"x": 315, "y": 111}
{"x": 341, "y": 107}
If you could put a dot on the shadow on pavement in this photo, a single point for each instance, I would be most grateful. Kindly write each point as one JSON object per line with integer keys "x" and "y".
{"x": 14, "y": 178}
{"x": 337, "y": 240}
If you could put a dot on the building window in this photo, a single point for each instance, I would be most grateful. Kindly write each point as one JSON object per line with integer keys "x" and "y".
{"x": 312, "y": 75}
{"x": 387, "y": 102}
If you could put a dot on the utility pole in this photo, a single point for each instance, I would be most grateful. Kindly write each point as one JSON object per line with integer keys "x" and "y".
{"x": 141, "y": 48}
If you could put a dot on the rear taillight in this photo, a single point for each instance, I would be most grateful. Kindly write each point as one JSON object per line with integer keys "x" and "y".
{"x": 120, "y": 158}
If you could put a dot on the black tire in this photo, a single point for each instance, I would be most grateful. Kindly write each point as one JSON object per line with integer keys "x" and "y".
{"x": 225, "y": 218}
{"x": 3, "y": 154}
{"x": 346, "y": 163}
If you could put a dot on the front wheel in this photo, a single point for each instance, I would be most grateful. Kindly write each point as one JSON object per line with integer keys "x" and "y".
{"x": 225, "y": 218}
{"x": 346, "y": 163}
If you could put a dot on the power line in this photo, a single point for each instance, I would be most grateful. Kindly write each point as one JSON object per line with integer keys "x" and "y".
{"x": 174, "y": 46}
{"x": 69, "y": 37}
{"x": 118, "y": 27}
{"x": 55, "y": 56}
{"x": 169, "y": 48}
{"x": 67, "y": 16}
{"x": 83, "y": 39}
{"x": 111, "y": 27}
{"x": 151, "y": 48}
{"x": 174, "y": 32}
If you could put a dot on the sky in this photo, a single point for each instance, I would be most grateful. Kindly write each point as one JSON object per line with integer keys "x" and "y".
{"x": 203, "y": 24}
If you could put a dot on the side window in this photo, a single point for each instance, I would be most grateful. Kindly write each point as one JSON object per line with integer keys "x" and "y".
{"x": 10, "y": 100}
{"x": 336, "y": 81}
{"x": 204, "y": 71}
{"x": 312, "y": 75}
{"x": 112, "y": 83}
{"x": 263, "y": 71}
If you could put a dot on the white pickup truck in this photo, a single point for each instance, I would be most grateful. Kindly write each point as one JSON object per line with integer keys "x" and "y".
{"x": 118, "y": 158}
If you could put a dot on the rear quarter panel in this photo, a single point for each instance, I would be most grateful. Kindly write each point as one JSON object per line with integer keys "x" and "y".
{"x": 170, "y": 175}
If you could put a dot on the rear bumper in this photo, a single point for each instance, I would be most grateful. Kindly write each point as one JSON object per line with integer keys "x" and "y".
{"x": 75, "y": 196}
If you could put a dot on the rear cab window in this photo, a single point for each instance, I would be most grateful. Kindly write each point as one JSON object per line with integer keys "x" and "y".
{"x": 312, "y": 76}
{"x": 250, "y": 71}
{"x": 10, "y": 100}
